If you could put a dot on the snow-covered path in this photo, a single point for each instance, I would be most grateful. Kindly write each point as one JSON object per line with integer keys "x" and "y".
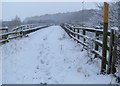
{"x": 50, "y": 56}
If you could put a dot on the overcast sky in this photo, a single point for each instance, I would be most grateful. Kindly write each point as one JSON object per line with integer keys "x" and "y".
{"x": 28, "y": 9}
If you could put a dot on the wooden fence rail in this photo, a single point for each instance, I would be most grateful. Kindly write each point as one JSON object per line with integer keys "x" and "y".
{"x": 5, "y": 37}
{"x": 74, "y": 32}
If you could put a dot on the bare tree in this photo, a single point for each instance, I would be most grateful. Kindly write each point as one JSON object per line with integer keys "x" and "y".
{"x": 113, "y": 14}
{"x": 15, "y": 22}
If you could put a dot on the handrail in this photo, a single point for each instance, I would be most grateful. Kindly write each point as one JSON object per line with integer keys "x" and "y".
{"x": 4, "y": 28}
{"x": 100, "y": 31}
{"x": 74, "y": 32}
{"x": 86, "y": 37}
{"x": 15, "y": 34}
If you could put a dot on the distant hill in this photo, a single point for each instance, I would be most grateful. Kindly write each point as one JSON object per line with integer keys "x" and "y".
{"x": 78, "y": 17}
{"x": 69, "y": 17}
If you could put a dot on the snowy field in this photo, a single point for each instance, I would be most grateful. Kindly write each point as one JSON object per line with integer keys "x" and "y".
{"x": 49, "y": 56}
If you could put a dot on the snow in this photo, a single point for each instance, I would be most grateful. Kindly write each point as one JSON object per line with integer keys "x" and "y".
{"x": 0, "y": 65}
{"x": 49, "y": 56}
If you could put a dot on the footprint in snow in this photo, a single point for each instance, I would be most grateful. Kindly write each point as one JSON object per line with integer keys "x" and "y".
{"x": 69, "y": 67}
{"x": 42, "y": 62}
{"x": 35, "y": 72}
{"x": 81, "y": 70}
{"x": 49, "y": 78}
{"x": 34, "y": 78}
{"x": 45, "y": 38}
{"x": 40, "y": 52}
{"x": 37, "y": 68}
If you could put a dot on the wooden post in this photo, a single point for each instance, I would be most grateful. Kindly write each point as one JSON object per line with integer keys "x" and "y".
{"x": 74, "y": 31}
{"x": 69, "y": 32}
{"x": 78, "y": 35}
{"x": 119, "y": 38}
{"x": 70, "y": 29}
{"x": 96, "y": 45}
{"x": 113, "y": 69}
{"x": 84, "y": 33}
{"x": 105, "y": 32}
{"x": 110, "y": 51}
{"x": 64, "y": 27}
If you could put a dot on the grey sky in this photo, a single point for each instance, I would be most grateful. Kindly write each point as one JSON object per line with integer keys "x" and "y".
{"x": 28, "y": 9}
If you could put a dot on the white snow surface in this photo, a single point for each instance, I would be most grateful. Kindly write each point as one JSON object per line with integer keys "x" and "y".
{"x": 49, "y": 56}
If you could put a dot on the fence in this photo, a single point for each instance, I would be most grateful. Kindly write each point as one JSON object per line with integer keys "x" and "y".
{"x": 24, "y": 27}
{"x": 110, "y": 61}
{"x": 19, "y": 32}
{"x": 3, "y": 30}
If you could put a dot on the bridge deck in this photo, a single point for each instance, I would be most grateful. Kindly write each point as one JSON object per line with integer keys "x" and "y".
{"x": 48, "y": 55}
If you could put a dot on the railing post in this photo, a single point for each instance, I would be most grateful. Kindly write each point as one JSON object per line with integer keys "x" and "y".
{"x": 78, "y": 35}
{"x": 111, "y": 44}
{"x": 64, "y": 27}
{"x": 84, "y": 33}
{"x": 74, "y": 31}
{"x": 96, "y": 45}
{"x": 67, "y": 30}
{"x": 71, "y": 29}
{"x": 113, "y": 69}
{"x": 105, "y": 32}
